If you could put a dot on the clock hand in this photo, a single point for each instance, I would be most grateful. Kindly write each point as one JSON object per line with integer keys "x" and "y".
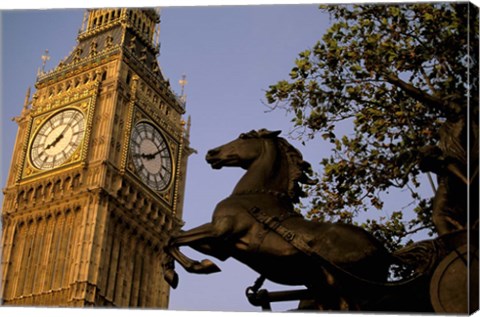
{"x": 54, "y": 142}
{"x": 60, "y": 136}
{"x": 152, "y": 155}
{"x": 72, "y": 118}
{"x": 145, "y": 156}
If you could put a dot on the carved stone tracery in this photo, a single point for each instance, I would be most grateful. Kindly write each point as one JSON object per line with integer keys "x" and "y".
{"x": 103, "y": 228}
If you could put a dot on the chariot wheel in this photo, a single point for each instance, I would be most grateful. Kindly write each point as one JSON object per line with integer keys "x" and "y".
{"x": 454, "y": 283}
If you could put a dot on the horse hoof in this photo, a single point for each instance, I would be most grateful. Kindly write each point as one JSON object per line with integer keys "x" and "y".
{"x": 205, "y": 267}
{"x": 171, "y": 277}
{"x": 210, "y": 267}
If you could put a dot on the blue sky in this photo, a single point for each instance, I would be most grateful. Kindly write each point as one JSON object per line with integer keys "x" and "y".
{"x": 230, "y": 56}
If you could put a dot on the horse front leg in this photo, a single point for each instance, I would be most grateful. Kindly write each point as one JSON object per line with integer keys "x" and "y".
{"x": 195, "y": 234}
{"x": 201, "y": 233}
{"x": 210, "y": 238}
{"x": 192, "y": 266}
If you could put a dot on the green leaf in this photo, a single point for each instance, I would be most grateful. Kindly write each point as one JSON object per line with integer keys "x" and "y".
{"x": 343, "y": 91}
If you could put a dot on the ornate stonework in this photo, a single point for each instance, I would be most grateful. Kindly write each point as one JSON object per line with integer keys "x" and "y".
{"x": 89, "y": 231}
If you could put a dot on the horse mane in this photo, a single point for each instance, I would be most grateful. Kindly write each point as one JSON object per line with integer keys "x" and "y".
{"x": 299, "y": 170}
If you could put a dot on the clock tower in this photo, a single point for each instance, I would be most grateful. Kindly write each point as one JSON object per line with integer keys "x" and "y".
{"x": 97, "y": 177}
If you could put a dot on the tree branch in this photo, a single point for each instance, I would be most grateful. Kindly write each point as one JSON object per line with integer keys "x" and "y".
{"x": 433, "y": 101}
{"x": 414, "y": 92}
{"x": 427, "y": 79}
{"x": 416, "y": 230}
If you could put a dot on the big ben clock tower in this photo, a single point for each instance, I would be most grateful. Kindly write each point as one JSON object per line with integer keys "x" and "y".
{"x": 98, "y": 173}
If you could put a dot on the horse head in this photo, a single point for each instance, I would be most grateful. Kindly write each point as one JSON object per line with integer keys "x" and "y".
{"x": 280, "y": 162}
{"x": 240, "y": 152}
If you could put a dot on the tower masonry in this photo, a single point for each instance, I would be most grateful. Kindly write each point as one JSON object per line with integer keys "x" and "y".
{"x": 97, "y": 177}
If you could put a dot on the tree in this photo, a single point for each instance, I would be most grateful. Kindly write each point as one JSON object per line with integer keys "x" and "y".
{"x": 395, "y": 73}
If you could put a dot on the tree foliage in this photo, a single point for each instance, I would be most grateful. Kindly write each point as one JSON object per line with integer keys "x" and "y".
{"x": 394, "y": 73}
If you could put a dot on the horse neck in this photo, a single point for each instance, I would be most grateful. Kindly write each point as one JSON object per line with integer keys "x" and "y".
{"x": 269, "y": 172}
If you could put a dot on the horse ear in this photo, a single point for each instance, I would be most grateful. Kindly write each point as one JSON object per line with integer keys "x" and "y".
{"x": 276, "y": 133}
{"x": 269, "y": 134}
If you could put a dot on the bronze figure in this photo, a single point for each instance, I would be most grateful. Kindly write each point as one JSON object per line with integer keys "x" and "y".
{"x": 342, "y": 266}
{"x": 455, "y": 162}
{"x": 271, "y": 185}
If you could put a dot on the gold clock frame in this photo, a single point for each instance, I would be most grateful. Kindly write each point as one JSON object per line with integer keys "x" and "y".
{"x": 86, "y": 106}
{"x": 167, "y": 194}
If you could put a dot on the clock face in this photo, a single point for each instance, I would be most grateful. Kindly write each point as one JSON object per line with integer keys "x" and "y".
{"x": 151, "y": 156}
{"x": 57, "y": 139}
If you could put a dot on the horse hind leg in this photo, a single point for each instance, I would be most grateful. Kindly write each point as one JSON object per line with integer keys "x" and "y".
{"x": 328, "y": 295}
{"x": 327, "y": 299}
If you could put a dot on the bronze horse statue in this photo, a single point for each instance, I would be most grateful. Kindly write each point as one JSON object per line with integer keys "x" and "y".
{"x": 275, "y": 171}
